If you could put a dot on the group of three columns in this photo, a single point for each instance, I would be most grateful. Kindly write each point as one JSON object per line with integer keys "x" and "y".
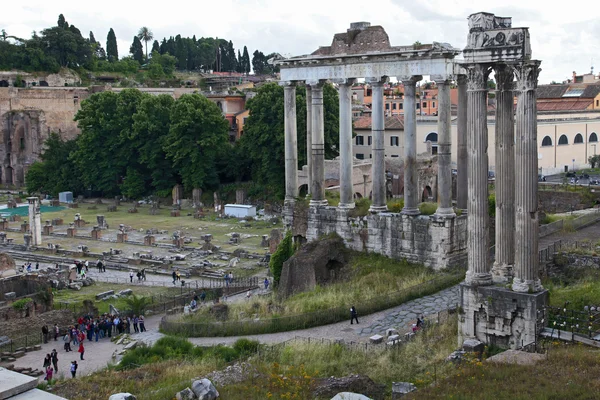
{"x": 315, "y": 145}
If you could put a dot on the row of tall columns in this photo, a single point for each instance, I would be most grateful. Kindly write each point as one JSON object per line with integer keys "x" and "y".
{"x": 291, "y": 142}
{"x": 346, "y": 186}
{"x": 517, "y": 230}
{"x": 461, "y": 145}
{"x": 444, "y": 157}
{"x": 318, "y": 146}
{"x": 378, "y": 201}
{"x": 411, "y": 192}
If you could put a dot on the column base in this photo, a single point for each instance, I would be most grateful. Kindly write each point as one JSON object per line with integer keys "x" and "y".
{"x": 445, "y": 212}
{"x": 527, "y": 286}
{"x": 377, "y": 209}
{"x": 478, "y": 278}
{"x": 318, "y": 203}
{"x": 347, "y": 205}
{"x": 410, "y": 211}
{"x": 502, "y": 273}
{"x": 289, "y": 201}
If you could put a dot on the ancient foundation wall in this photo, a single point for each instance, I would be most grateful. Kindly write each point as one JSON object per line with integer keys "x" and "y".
{"x": 432, "y": 241}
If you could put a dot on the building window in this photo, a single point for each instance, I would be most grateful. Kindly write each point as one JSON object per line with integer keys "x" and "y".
{"x": 393, "y": 106}
{"x": 370, "y": 155}
{"x": 434, "y": 150}
{"x": 433, "y": 104}
{"x": 578, "y": 138}
{"x": 370, "y": 140}
{"x": 432, "y": 137}
{"x": 387, "y": 106}
{"x": 22, "y": 143}
{"x": 418, "y": 106}
{"x": 593, "y": 137}
{"x": 597, "y": 103}
{"x": 245, "y": 118}
{"x": 360, "y": 156}
{"x": 547, "y": 141}
{"x": 394, "y": 155}
{"x": 563, "y": 140}
{"x": 360, "y": 140}
{"x": 401, "y": 106}
{"x": 424, "y": 104}
{"x": 394, "y": 141}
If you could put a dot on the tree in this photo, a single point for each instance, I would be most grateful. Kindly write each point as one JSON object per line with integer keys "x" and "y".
{"x": 137, "y": 50}
{"x": 246, "y": 59}
{"x": 240, "y": 62}
{"x": 155, "y": 47}
{"x": 111, "y": 46}
{"x": 61, "y": 21}
{"x": 197, "y": 135}
{"x": 145, "y": 35}
{"x": 594, "y": 160}
{"x": 259, "y": 63}
{"x": 284, "y": 251}
{"x": 137, "y": 305}
{"x": 263, "y": 140}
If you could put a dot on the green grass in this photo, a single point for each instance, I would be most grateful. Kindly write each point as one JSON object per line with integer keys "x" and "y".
{"x": 578, "y": 295}
{"x": 550, "y": 218}
{"x": 428, "y": 208}
{"x": 570, "y": 372}
{"x": 89, "y": 293}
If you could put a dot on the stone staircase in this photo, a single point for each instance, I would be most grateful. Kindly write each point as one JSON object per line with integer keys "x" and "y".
{"x": 17, "y": 386}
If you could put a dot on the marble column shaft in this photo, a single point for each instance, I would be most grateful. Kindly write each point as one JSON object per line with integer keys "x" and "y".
{"x": 526, "y": 200}
{"x": 378, "y": 203}
{"x": 309, "y": 136}
{"x": 346, "y": 186}
{"x": 502, "y": 271}
{"x": 411, "y": 179}
{"x": 461, "y": 144}
{"x": 444, "y": 155}
{"x": 291, "y": 142}
{"x": 318, "y": 147}
{"x": 477, "y": 143}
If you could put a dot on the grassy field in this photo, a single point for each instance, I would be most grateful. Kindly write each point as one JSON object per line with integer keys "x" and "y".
{"x": 370, "y": 276}
{"x": 282, "y": 372}
{"x": 73, "y": 297}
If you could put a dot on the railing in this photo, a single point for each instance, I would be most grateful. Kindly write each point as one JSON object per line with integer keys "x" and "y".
{"x": 546, "y": 255}
{"x": 21, "y": 342}
{"x": 196, "y": 284}
{"x": 307, "y": 320}
{"x": 583, "y": 323}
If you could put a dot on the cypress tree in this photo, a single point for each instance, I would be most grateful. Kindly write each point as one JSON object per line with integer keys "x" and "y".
{"x": 111, "y": 46}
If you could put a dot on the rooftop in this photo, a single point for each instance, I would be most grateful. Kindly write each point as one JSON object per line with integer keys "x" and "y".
{"x": 394, "y": 122}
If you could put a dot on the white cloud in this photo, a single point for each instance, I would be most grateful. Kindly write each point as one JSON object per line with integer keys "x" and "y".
{"x": 562, "y": 37}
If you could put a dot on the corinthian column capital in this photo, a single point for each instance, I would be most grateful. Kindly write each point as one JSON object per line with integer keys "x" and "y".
{"x": 527, "y": 75}
{"x": 477, "y": 76}
{"x": 505, "y": 77}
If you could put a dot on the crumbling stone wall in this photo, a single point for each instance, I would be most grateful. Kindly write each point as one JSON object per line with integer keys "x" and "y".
{"x": 15, "y": 326}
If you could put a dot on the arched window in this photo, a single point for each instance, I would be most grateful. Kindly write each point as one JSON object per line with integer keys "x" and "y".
{"x": 547, "y": 141}
{"x": 593, "y": 137}
{"x": 563, "y": 139}
{"x": 432, "y": 137}
{"x": 578, "y": 138}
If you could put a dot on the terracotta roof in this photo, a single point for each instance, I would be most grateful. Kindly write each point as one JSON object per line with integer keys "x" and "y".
{"x": 566, "y": 104}
{"x": 395, "y": 122}
{"x": 551, "y": 91}
{"x": 591, "y": 91}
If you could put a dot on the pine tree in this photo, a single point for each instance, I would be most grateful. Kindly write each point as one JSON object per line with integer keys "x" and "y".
{"x": 155, "y": 47}
{"x": 137, "y": 50}
{"x": 246, "y": 58}
{"x": 111, "y": 46}
{"x": 92, "y": 38}
{"x": 240, "y": 62}
{"x": 61, "y": 21}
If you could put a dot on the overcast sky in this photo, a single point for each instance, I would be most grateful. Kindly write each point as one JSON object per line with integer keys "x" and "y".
{"x": 564, "y": 36}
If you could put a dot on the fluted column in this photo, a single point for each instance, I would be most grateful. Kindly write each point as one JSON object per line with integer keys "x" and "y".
{"x": 291, "y": 142}
{"x": 309, "y": 136}
{"x": 346, "y": 186}
{"x": 461, "y": 144}
{"x": 318, "y": 146}
{"x": 477, "y": 144}
{"x": 444, "y": 156}
{"x": 526, "y": 200}
{"x": 502, "y": 271}
{"x": 411, "y": 191}
{"x": 378, "y": 203}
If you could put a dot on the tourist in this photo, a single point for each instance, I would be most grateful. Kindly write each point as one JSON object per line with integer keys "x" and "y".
{"x": 353, "y": 315}
{"x": 419, "y": 322}
{"x": 56, "y": 332}
{"x": 48, "y": 374}
{"x": 178, "y": 275}
{"x": 81, "y": 350}
{"x": 136, "y": 321}
{"x": 142, "y": 326}
{"x": 144, "y": 274}
{"x": 28, "y": 268}
{"x": 73, "y": 368}
{"x": 231, "y": 277}
{"x": 103, "y": 267}
{"x": 87, "y": 266}
{"x": 139, "y": 276}
{"x": 47, "y": 361}
{"x": 99, "y": 265}
{"x": 174, "y": 274}
{"x": 193, "y": 304}
{"x": 54, "y": 357}
{"x": 45, "y": 333}
{"x": 203, "y": 296}
{"x": 248, "y": 295}
{"x": 67, "y": 340}
{"x": 131, "y": 276}
{"x": 37, "y": 266}
{"x": 266, "y": 283}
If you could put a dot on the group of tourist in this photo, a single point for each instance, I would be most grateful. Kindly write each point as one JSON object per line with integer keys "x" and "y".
{"x": 176, "y": 276}
{"x": 195, "y": 299}
{"x": 141, "y": 275}
{"x": 101, "y": 266}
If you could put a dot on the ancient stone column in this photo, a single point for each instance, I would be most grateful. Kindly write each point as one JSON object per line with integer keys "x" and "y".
{"x": 444, "y": 151}
{"x": 461, "y": 144}
{"x": 346, "y": 187}
{"x": 411, "y": 179}
{"x": 502, "y": 271}
{"x": 477, "y": 143}
{"x": 309, "y": 136}
{"x": 291, "y": 142}
{"x": 318, "y": 146}
{"x": 526, "y": 199}
{"x": 378, "y": 203}
{"x": 35, "y": 221}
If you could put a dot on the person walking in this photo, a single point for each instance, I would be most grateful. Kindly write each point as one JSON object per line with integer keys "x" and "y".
{"x": 131, "y": 276}
{"x": 142, "y": 326}
{"x": 81, "y": 350}
{"x": 54, "y": 357}
{"x": 73, "y": 368}
{"x": 49, "y": 374}
{"x": 266, "y": 282}
{"x": 353, "y": 315}
{"x": 174, "y": 274}
{"x": 56, "y": 333}
{"x": 67, "y": 340}
{"x": 136, "y": 322}
{"x": 47, "y": 361}
{"x": 203, "y": 296}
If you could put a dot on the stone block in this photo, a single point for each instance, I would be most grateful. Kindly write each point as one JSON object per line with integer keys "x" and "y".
{"x": 390, "y": 332}
{"x": 375, "y": 339}
{"x": 394, "y": 338}
{"x": 473, "y": 346}
{"x": 10, "y": 295}
{"x": 350, "y": 396}
{"x": 408, "y": 336}
{"x": 71, "y": 232}
{"x": 125, "y": 292}
{"x": 204, "y": 389}
{"x": 122, "y": 396}
{"x": 13, "y": 383}
{"x": 175, "y": 213}
{"x": 48, "y": 229}
{"x": 37, "y": 347}
{"x": 400, "y": 389}
{"x": 101, "y": 296}
{"x": 121, "y": 237}
{"x": 186, "y": 394}
{"x": 19, "y": 354}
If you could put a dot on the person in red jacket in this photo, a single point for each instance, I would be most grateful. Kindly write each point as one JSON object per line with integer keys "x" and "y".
{"x": 81, "y": 350}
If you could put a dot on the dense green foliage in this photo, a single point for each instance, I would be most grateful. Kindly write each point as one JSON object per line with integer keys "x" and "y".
{"x": 137, "y": 50}
{"x": 284, "y": 251}
{"x": 263, "y": 141}
{"x": 112, "y": 51}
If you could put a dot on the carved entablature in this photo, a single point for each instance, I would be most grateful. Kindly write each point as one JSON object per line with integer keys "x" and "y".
{"x": 493, "y": 39}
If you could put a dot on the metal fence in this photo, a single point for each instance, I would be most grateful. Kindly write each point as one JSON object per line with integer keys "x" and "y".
{"x": 21, "y": 342}
{"x": 196, "y": 284}
{"x": 583, "y": 323}
{"x": 306, "y": 320}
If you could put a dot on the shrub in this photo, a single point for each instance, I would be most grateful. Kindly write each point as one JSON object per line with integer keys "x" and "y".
{"x": 492, "y": 205}
{"x": 22, "y": 303}
{"x": 427, "y": 208}
{"x": 395, "y": 205}
{"x": 361, "y": 208}
{"x": 282, "y": 254}
{"x": 246, "y": 347}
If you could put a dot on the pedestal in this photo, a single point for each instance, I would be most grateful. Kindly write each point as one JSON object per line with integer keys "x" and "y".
{"x": 121, "y": 237}
{"x": 71, "y": 232}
